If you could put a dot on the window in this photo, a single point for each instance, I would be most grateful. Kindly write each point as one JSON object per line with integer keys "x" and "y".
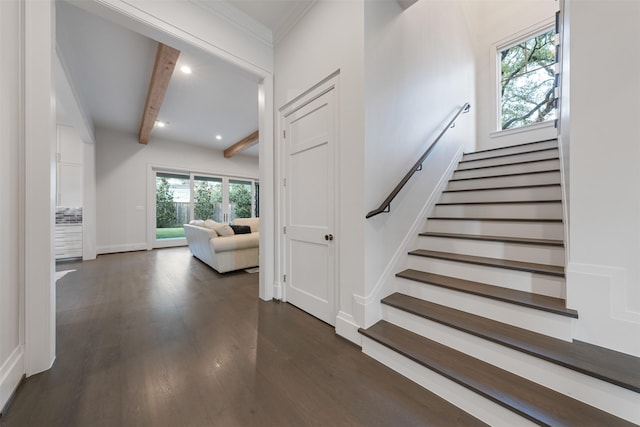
{"x": 527, "y": 76}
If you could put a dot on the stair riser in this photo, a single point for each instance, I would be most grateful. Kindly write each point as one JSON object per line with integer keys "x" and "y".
{"x": 470, "y": 402}
{"x": 542, "y": 322}
{"x": 506, "y": 181}
{"x": 504, "y": 195}
{"x": 545, "y": 165}
{"x": 513, "y": 279}
{"x": 533, "y": 230}
{"x": 526, "y": 211}
{"x": 517, "y": 158}
{"x": 539, "y": 254}
{"x": 600, "y": 394}
{"x": 510, "y": 150}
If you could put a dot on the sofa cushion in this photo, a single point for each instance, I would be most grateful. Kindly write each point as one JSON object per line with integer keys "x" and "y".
{"x": 197, "y": 222}
{"x": 210, "y": 224}
{"x": 223, "y": 230}
{"x": 239, "y": 241}
{"x": 240, "y": 229}
{"x": 254, "y": 223}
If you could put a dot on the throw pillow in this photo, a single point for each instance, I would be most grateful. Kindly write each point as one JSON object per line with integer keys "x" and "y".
{"x": 224, "y": 230}
{"x": 197, "y": 222}
{"x": 241, "y": 229}
{"x": 211, "y": 224}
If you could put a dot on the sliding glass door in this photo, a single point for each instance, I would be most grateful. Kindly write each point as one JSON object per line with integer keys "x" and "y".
{"x": 173, "y": 197}
{"x": 208, "y": 196}
{"x": 183, "y": 196}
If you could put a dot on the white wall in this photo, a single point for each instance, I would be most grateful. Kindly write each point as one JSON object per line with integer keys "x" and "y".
{"x": 604, "y": 267}
{"x": 121, "y": 182}
{"x": 419, "y": 71}
{"x": 331, "y": 38}
{"x": 490, "y": 22}
{"x": 12, "y": 364}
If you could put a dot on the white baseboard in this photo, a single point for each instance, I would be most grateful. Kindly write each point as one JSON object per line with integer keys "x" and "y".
{"x": 130, "y": 247}
{"x": 347, "y": 328}
{"x": 11, "y": 373}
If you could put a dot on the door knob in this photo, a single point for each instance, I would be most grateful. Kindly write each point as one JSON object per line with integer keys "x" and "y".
{"x": 328, "y": 237}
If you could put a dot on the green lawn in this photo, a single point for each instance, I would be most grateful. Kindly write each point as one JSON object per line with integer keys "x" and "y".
{"x": 169, "y": 233}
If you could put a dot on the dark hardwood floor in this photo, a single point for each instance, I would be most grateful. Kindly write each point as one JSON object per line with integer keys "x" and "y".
{"x": 159, "y": 339}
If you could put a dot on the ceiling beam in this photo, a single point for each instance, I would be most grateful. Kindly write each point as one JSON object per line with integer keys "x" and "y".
{"x": 243, "y": 144}
{"x": 166, "y": 58}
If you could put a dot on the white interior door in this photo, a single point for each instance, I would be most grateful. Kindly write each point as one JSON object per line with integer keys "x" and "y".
{"x": 309, "y": 192}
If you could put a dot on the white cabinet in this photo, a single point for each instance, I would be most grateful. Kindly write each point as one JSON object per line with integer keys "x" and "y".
{"x": 68, "y": 241}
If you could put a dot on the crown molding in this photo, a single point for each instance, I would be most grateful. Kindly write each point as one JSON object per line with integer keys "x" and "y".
{"x": 290, "y": 21}
{"x": 237, "y": 18}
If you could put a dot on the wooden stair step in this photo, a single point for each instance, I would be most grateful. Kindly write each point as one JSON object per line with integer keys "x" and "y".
{"x": 607, "y": 365}
{"x": 551, "y": 270}
{"x": 512, "y": 146}
{"x": 498, "y": 156}
{"x": 506, "y": 164}
{"x": 504, "y": 239}
{"x": 498, "y": 293}
{"x": 461, "y": 218}
{"x": 515, "y": 187}
{"x": 503, "y": 176}
{"x": 504, "y": 202}
{"x": 526, "y": 398}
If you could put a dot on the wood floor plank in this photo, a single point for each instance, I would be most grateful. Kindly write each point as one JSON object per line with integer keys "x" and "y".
{"x": 160, "y": 339}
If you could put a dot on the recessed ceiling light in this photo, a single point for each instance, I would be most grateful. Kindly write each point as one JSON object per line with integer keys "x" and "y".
{"x": 185, "y": 69}
{"x": 160, "y": 124}
{"x": 218, "y": 137}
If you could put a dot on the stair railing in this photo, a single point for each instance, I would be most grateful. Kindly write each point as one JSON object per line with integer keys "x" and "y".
{"x": 385, "y": 206}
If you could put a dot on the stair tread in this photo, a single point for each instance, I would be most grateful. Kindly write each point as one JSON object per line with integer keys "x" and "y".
{"x": 504, "y": 175}
{"x": 512, "y": 146}
{"x": 553, "y": 270}
{"x": 512, "y": 296}
{"x": 607, "y": 365}
{"x": 505, "y": 239}
{"x": 507, "y": 164}
{"x": 462, "y": 218}
{"x": 515, "y": 187}
{"x": 502, "y": 202}
{"x": 497, "y": 156}
{"x": 524, "y": 397}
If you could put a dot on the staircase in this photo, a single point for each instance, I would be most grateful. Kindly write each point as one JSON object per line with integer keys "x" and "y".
{"x": 479, "y": 317}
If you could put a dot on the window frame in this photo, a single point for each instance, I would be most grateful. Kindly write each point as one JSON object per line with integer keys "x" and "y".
{"x": 510, "y": 41}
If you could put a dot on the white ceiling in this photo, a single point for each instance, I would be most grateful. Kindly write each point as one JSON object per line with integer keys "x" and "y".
{"x": 110, "y": 67}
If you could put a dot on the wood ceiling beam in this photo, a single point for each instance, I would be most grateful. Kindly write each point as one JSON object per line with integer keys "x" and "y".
{"x": 243, "y": 144}
{"x": 166, "y": 58}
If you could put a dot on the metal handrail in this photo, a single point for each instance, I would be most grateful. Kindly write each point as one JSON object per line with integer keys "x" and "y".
{"x": 385, "y": 206}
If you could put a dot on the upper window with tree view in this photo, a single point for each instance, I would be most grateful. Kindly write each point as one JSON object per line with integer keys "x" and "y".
{"x": 527, "y": 81}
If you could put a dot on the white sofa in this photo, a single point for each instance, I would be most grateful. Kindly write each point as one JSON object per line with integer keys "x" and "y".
{"x": 215, "y": 244}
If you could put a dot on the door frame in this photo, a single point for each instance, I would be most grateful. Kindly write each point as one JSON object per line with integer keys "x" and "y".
{"x": 330, "y": 83}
